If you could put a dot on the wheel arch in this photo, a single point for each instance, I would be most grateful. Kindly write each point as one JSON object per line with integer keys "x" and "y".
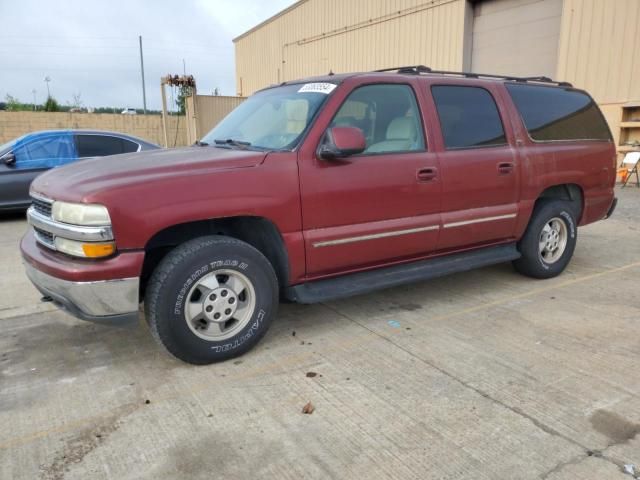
{"x": 259, "y": 232}
{"x": 570, "y": 192}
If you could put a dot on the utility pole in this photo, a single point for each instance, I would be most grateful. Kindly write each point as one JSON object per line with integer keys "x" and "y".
{"x": 34, "y": 99}
{"x": 47, "y": 79}
{"x": 144, "y": 93}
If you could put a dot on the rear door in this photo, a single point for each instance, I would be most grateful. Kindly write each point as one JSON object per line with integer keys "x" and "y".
{"x": 478, "y": 161}
{"x": 382, "y": 205}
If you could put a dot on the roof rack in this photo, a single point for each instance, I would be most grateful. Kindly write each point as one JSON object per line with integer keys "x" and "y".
{"x": 420, "y": 69}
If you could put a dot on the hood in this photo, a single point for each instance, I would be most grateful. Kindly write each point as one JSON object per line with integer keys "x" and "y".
{"x": 77, "y": 181}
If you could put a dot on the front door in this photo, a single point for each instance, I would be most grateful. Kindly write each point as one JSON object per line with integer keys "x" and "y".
{"x": 377, "y": 207}
{"x": 33, "y": 155}
{"x": 479, "y": 165}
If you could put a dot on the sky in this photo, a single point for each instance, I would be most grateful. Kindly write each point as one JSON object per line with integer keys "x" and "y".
{"x": 90, "y": 47}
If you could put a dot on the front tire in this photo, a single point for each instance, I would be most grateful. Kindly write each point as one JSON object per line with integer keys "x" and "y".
{"x": 549, "y": 241}
{"x": 211, "y": 299}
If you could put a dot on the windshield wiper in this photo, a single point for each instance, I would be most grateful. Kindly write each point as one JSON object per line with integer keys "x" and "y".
{"x": 201, "y": 144}
{"x": 231, "y": 141}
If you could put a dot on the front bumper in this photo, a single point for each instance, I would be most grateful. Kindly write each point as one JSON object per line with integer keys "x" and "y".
{"x": 114, "y": 302}
{"x": 105, "y": 291}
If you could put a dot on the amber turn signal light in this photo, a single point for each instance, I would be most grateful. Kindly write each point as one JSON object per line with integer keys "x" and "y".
{"x": 95, "y": 250}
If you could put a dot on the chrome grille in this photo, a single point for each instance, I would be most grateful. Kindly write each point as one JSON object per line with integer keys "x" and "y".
{"x": 44, "y": 237}
{"x": 43, "y": 207}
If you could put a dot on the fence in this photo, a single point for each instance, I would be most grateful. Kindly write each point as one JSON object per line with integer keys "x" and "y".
{"x": 147, "y": 127}
{"x": 208, "y": 111}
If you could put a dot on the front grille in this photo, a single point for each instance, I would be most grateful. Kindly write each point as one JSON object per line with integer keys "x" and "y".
{"x": 44, "y": 237}
{"x": 41, "y": 206}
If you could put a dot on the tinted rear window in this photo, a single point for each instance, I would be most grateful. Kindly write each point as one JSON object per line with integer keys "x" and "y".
{"x": 101, "y": 145}
{"x": 558, "y": 113}
{"x": 468, "y": 116}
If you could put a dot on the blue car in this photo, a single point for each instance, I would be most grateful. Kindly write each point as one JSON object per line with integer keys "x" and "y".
{"x": 26, "y": 157}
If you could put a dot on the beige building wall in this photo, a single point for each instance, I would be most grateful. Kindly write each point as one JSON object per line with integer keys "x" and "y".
{"x": 207, "y": 113}
{"x": 146, "y": 127}
{"x": 594, "y": 44}
{"x": 600, "y": 51}
{"x": 314, "y": 37}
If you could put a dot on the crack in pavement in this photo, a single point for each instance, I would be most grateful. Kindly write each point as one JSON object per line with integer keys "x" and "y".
{"x": 572, "y": 461}
{"x": 576, "y": 460}
{"x": 587, "y": 452}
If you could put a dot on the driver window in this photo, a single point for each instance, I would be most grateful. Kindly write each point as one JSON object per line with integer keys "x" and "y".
{"x": 46, "y": 152}
{"x": 388, "y": 116}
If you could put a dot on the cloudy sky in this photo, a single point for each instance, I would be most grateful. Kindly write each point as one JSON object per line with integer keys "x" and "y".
{"x": 90, "y": 47}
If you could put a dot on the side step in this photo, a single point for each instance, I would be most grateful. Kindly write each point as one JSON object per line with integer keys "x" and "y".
{"x": 365, "y": 282}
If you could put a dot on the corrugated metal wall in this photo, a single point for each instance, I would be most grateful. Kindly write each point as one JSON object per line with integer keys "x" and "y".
{"x": 600, "y": 52}
{"x": 322, "y": 35}
{"x": 600, "y": 48}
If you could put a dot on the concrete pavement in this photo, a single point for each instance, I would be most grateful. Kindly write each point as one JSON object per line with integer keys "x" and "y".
{"x": 483, "y": 375}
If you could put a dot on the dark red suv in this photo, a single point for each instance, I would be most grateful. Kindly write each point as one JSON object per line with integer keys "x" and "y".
{"x": 318, "y": 189}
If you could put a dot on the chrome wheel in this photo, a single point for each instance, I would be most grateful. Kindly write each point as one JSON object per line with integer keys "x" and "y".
{"x": 553, "y": 240}
{"x": 219, "y": 305}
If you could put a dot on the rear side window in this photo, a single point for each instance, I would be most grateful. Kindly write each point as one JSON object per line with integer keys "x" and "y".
{"x": 468, "y": 116}
{"x": 551, "y": 113}
{"x": 102, "y": 145}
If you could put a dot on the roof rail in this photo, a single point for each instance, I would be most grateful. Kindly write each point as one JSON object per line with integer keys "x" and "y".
{"x": 421, "y": 69}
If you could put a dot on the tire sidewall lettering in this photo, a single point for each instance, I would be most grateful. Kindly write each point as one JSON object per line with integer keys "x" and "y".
{"x": 201, "y": 272}
{"x": 204, "y": 269}
{"x": 253, "y": 329}
{"x": 570, "y": 223}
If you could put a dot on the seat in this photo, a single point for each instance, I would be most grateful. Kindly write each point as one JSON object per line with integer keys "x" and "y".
{"x": 401, "y": 136}
{"x": 631, "y": 161}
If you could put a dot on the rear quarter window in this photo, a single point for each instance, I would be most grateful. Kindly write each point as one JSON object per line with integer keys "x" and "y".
{"x": 553, "y": 114}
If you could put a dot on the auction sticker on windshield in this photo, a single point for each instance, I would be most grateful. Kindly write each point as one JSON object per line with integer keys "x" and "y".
{"x": 319, "y": 87}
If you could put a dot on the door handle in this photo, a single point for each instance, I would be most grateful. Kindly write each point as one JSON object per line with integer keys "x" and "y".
{"x": 505, "y": 168}
{"x": 427, "y": 174}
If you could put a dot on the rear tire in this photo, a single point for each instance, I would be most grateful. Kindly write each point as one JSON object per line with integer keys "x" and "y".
{"x": 549, "y": 241}
{"x": 211, "y": 299}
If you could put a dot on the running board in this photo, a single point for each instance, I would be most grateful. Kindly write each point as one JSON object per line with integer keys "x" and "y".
{"x": 369, "y": 281}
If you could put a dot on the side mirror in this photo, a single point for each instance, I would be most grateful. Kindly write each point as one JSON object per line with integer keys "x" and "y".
{"x": 9, "y": 159}
{"x": 341, "y": 142}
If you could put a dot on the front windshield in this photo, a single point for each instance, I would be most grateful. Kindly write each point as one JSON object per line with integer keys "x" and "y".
{"x": 273, "y": 119}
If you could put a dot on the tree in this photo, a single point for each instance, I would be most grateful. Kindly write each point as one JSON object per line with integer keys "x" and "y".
{"x": 184, "y": 92}
{"x": 13, "y": 104}
{"x": 76, "y": 101}
{"x": 51, "y": 105}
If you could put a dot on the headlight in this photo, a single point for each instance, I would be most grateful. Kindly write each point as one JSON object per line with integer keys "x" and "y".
{"x": 84, "y": 249}
{"x": 80, "y": 214}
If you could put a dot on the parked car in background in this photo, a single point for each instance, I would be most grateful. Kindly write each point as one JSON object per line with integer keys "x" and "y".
{"x": 319, "y": 189}
{"x": 129, "y": 111}
{"x": 26, "y": 157}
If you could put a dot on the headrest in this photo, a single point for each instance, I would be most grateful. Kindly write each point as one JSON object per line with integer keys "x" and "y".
{"x": 402, "y": 128}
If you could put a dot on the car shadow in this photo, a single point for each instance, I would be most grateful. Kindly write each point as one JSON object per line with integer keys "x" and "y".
{"x": 13, "y": 215}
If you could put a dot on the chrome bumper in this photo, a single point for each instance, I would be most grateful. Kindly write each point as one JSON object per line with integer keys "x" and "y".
{"x": 113, "y": 302}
